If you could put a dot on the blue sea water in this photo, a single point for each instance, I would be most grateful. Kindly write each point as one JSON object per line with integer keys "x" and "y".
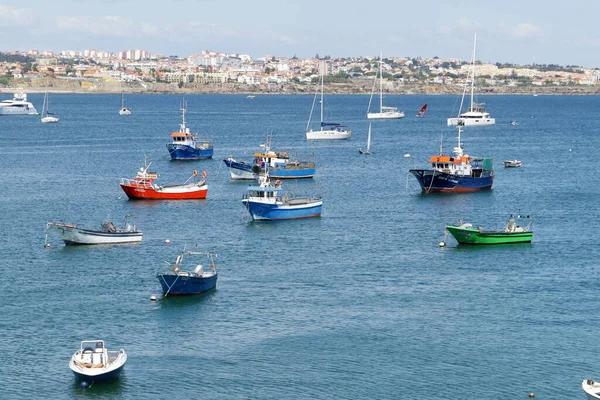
{"x": 361, "y": 303}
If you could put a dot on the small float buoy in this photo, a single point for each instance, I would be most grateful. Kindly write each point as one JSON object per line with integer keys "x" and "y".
{"x": 167, "y": 241}
{"x": 570, "y": 150}
{"x": 84, "y": 385}
{"x": 531, "y": 395}
{"x": 153, "y": 298}
{"x": 442, "y": 244}
{"x": 47, "y": 245}
{"x": 407, "y": 155}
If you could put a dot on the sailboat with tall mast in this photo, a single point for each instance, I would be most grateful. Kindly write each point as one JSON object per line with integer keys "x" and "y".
{"x": 329, "y": 130}
{"x": 384, "y": 112}
{"x": 476, "y": 114}
{"x": 124, "y": 110}
{"x": 47, "y": 116}
{"x": 368, "y": 149}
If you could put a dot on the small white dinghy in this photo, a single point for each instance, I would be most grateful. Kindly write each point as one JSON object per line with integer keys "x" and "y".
{"x": 591, "y": 389}
{"x": 94, "y": 363}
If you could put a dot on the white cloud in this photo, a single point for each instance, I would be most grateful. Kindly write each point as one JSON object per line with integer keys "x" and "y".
{"x": 15, "y": 17}
{"x": 524, "y": 30}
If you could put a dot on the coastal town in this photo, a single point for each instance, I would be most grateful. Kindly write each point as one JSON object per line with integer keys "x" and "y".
{"x": 216, "y": 72}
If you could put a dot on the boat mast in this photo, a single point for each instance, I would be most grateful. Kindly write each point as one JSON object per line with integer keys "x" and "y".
{"x": 473, "y": 71}
{"x": 182, "y": 125}
{"x": 380, "y": 82}
{"x": 324, "y": 66}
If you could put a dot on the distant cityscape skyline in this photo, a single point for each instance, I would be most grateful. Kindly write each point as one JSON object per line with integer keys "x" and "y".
{"x": 512, "y": 32}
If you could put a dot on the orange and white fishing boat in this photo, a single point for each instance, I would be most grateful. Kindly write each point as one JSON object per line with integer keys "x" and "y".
{"x": 144, "y": 187}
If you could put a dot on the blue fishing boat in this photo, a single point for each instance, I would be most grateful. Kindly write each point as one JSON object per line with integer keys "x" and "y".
{"x": 94, "y": 363}
{"x": 279, "y": 163}
{"x": 187, "y": 146}
{"x": 456, "y": 173}
{"x": 176, "y": 282}
{"x": 267, "y": 202}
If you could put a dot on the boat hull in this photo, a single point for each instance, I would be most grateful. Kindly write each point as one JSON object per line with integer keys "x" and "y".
{"x": 175, "y": 192}
{"x": 72, "y": 235}
{"x": 49, "y": 120}
{"x": 386, "y": 115}
{"x": 483, "y": 121}
{"x": 329, "y": 134}
{"x": 185, "y": 152}
{"x": 475, "y": 236}
{"x": 179, "y": 285}
{"x": 293, "y": 170}
{"x": 294, "y": 209}
{"x": 432, "y": 181}
{"x": 97, "y": 374}
{"x": 18, "y": 111}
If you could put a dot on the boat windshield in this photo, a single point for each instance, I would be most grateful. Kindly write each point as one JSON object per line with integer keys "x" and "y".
{"x": 92, "y": 344}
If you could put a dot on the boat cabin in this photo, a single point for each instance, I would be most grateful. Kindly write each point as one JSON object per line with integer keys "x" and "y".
{"x": 93, "y": 353}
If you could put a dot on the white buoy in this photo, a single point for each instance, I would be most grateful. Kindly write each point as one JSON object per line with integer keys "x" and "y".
{"x": 47, "y": 245}
{"x": 167, "y": 241}
{"x": 153, "y": 297}
{"x": 442, "y": 244}
{"x": 407, "y": 155}
{"x": 569, "y": 149}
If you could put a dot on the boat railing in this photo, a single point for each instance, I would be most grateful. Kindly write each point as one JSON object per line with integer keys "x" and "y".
{"x": 146, "y": 184}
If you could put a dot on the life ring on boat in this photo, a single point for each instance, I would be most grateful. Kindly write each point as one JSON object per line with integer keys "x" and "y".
{"x": 195, "y": 173}
{"x": 277, "y": 183}
{"x": 204, "y": 174}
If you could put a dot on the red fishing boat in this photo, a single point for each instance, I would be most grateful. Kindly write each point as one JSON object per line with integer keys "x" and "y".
{"x": 144, "y": 186}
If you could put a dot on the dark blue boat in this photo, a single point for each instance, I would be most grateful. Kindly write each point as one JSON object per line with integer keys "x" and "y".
{"x": 458, "y": 173}
{"x": 187, "y": 146}
{"x": 175, "y": 282}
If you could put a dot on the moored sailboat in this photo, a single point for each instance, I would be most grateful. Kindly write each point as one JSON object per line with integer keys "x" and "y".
{"x": 368, "y": 149}
{"x": 47, "y": 116}
{"x": 124, "y": 110}
{"x": 384, "y": 112}
{"x": 476, "y": 114}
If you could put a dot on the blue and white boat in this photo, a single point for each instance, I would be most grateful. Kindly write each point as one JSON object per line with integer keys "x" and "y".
{"x": 176, "y": 282}
{"x": 278, "y": 162}
{"x": 456, "y": 173}
{"x": 94, "y": 363}
{"x": 267, "y": 202}
{"x": 187, "y": 146}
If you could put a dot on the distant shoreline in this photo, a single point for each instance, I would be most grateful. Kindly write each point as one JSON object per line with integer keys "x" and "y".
{"x": 100, "y": 86}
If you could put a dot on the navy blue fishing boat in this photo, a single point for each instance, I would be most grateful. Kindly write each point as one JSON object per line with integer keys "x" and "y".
{"x": 187, "y": 146}
{"x": 175, "y": 282}
{"x": 457, "y": 173}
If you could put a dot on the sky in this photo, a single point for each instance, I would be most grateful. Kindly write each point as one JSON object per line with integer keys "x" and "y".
{"x": 509, "y": 31}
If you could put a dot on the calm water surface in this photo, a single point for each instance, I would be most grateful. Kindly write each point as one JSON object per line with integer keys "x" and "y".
{"x": 361, "y": 303}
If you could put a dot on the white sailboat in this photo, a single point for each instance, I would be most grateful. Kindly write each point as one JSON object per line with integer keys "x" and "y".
{"x": 124, "y": 110}
{"x": 368, "y": 150}
{"x": 384, "y": 112}
{"x": 476, "y": 114}
{"x": 47, "y": 116}
{"x": 329, "y": 130}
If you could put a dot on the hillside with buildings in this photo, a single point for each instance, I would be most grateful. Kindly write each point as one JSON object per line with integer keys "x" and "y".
{"x": 214, "y": 72}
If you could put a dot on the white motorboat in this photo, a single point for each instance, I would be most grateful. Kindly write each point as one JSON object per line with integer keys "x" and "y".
{"x": 476, "y": 114}
{"x": 384, "y": 112}
{"x": 47, "y": 116}
{"x": 94, "y": 363}
{"x": 17, "y": 106}
{"x": 591, "y": 389}
{"x": 329, "y": 130}
{"x": 108, "y": 234}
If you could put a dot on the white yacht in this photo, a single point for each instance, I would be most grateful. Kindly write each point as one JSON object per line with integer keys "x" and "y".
{"x": 476, "y": 114}
{"x": 17, "y": 106}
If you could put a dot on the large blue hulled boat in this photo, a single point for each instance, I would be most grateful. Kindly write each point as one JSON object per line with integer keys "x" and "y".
{"x": 94, "y": 363}
{"x": 175, "y": 282}
{"x": 267, "y": 202}
{"x": 187, "y": 146}
{"x": 279, "y": 163}
{"x": 457, "y": 173}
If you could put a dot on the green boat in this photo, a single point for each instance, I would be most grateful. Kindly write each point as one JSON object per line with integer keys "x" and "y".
{"x": 465, "y": 233}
